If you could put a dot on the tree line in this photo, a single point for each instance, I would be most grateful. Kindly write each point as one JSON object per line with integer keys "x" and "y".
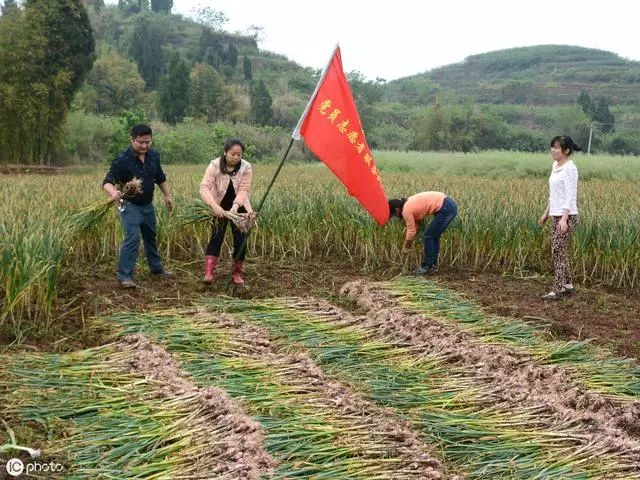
{"x": 46, "y": 51}
{"x": 135, "y": 60}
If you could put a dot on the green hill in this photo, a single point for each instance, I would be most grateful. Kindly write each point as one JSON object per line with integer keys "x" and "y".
{"x": 540, "y": 75}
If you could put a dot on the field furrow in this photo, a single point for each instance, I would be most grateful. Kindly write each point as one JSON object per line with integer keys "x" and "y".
{"x": 316, "y": 427}
{"x": 450, "y": 404}
{"x": 126, "y": 410}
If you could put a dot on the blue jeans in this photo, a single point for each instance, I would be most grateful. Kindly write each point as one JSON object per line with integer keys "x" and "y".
{"x": 137, "y": 219}
{"x": 432, "y": 233}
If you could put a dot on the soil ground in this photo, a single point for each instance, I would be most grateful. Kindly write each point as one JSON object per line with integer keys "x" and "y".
{"x": 609, "y": 316}
{"x": 18, "y": 169}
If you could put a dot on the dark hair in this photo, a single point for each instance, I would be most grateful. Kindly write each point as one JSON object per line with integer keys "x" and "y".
{"x": 140, "y": 130}
{"x": 566, "y": 143}
{"x": 395, "y": 203}
{"x": 232, "y": 142}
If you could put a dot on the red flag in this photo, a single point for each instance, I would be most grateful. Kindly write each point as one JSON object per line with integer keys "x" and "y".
{"x": 332, "y": 130}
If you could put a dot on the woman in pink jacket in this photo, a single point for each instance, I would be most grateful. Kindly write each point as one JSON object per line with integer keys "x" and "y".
{"x": 225, "y": 187}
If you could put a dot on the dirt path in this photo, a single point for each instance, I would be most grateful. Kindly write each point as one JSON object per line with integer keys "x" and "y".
{"x": 610, "y": 316}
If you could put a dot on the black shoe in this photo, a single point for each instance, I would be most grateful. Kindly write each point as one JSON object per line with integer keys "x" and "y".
{"x": 163, "y": 274}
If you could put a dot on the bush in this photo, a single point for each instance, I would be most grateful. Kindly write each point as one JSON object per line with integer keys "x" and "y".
{"x": 624, "y": 145}
{"x": 90, "y": 138}
{"x": 87, "y": 138}
{"x": 194, "y": 141}
{"x": 522, "y": 140}
{"x": 389, "y": 136}
{"x": 190, "y": 141}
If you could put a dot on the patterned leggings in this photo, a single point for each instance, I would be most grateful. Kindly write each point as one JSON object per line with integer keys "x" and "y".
{"x": 560, "y": 243}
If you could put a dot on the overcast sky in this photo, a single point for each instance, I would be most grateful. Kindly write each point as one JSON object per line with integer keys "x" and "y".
{"x": 397, "y": 38}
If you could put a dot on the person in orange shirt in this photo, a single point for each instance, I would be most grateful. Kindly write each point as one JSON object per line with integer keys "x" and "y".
{"x": 413, "y": 210}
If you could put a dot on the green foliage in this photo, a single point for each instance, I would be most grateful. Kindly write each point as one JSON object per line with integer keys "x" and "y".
{"x": 468, "y": 128}
{"x": 70, "y": 43}
{"x": 366, "y": 94}
{"x": 572, "y": 121}
{"x": 444, "y": 128}
{"x": 584, "y": 100}
{"x": 417, "y": 90}
{"x": 210, "y": 48}
{"x": 598, "y": 112}
{"x": 173, "y": 94}
{"x": 9, "y": 7}
{"x": 522, "y": 140}
{"x": 504, "y": 165}
{"x": 511, "y": 99}
{"x": 547, "y": 74}
{"x": 194, "y": 141}
{"x": 46, "y": 51}
{"x": 391, "y": 135}
{"x": 603, "y": 116}
{"x": 287, "y": 110}
{"x": 261, "y": 102}
{"x": 619, "y": 144}
{"x": 519, "y": 92}
{"x": 133, "y": 6}
{"x": 303, "y": 80}
{"x": 161, "y": 6}
{"x": 219, "y": 50}
{"x": 246, "y": 68}
{"x": 88, "y": 138}
{"x": 231, "y": 56}
{"x": 122, "y": 135}
{"x": 149, "y": 34}
{"x": 118, "y": 85}
{"x": 209, "y": 97}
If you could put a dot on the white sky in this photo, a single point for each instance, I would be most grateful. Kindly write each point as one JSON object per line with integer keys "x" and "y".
{"x": 397, "y": 38}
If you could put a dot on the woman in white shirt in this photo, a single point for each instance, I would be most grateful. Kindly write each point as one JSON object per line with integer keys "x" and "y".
{"x": 563, "y": 210}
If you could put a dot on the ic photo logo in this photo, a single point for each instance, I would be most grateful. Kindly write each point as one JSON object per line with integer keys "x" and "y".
{"x": 15, "y": 467}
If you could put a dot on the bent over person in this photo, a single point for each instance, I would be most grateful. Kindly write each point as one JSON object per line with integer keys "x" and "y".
{"x": 139, "y": 163}
{"x": 414, "y": 210}
{"x": 225, "y": 187}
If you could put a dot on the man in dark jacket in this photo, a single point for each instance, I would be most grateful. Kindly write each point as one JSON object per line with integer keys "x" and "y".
{"x": 141, "y": 162}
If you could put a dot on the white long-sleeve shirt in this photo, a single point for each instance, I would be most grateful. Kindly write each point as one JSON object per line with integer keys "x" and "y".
{"x": 563, "y": 189}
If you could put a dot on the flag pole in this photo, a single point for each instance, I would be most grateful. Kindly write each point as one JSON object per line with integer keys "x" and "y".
{"x": 243, "y": 246}
{"x": 275, "y": 175}
{"x": 295, "y": 135}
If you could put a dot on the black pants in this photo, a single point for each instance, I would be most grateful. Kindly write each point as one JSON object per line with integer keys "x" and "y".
{"x": 218, "y": 229}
